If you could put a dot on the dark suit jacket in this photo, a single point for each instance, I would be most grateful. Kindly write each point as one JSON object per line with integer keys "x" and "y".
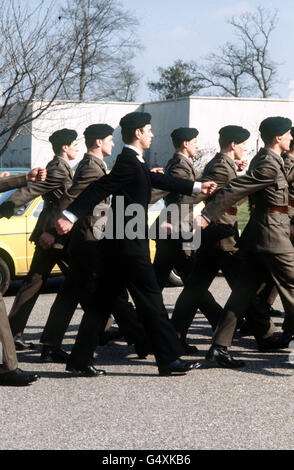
{"x": 59, "y": 178}
{"x": 132, "y": 181}
{"x": 266, "y": 183}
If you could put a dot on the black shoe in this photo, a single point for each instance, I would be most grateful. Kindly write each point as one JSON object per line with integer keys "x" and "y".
{"x": 178, "y": 367}
{"x": 142, "y": 349}
{"x": 245, "y": 330}
{"x": 218, "y": 356}
{"x": 22, "y": 345}
{"x": 274, "y": 312}
{"x": 112, "y": 334}
{"x": 189, "y": 349}
{"x": 275, "y": 341}
{"x": 18, "y": 378}
{"x": 88, "y": 371}
{"x": 52, "y": 354}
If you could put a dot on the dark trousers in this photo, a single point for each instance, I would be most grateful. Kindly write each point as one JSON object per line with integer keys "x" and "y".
{"x": 136, "y": 274}
{"x": 250, "y": 277}
{"x": 82, "y": 285}
{"x": 8, "y": 354}
{"x": 42, "y": 263}
{"x": 207, "y": 264}
{"x": 170, "y": 255}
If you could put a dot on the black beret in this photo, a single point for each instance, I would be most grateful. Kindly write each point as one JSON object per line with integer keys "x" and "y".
{"x": 98, "y": 131}
{"x": 63, "y": 137}
{"x": 135, "y": 120}
{"x": 274, "y": 126}
{"x": 235, "y": 134}
{"x": 184, "y": 133}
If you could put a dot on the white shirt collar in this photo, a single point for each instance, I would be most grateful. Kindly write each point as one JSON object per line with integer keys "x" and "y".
{"x": 139, "y": 154}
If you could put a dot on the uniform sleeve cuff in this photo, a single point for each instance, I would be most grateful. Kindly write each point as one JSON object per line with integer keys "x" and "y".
{"x": 197, "y": 187}
{"x": 70, "y": 216}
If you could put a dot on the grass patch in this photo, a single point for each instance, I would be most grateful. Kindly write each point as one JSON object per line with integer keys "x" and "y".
{"x": 243, "y": 215}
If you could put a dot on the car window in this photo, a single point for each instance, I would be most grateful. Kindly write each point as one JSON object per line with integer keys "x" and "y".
{"x": 157, "y": 206}
{"x": 38, "y": 209}
{"x": 5, "y": 196}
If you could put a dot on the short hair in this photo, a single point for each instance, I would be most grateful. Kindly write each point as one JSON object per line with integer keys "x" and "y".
{"x": 267, "y": 139}
{"x": 128, "y": 134}
{"x": 177, "y": 142}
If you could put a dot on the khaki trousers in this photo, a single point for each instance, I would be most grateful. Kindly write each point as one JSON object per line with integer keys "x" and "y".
{"x": 8, "y": 357}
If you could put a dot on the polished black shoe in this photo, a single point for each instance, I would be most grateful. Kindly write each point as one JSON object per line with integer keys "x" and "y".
{"x": 218, "y": 356}
{"x": 52, "y": 354}
{"x": 178, "y": 367}
{"x": 245, "y": 330}
{"x": 22, "y": 345}
{"x": 112, "y": 334}
{"x": 276, "y": 341}
{"x": 274, "y": 312}
{"x": 18, "y": 378}
{"x": 88, "y": 371}
{"x": 189, "y": 349}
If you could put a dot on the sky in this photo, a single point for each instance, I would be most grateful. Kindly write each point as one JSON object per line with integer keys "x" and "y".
{"x": 190, "y": 29}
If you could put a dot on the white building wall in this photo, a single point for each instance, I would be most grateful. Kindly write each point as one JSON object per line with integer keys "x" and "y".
{"x": 166, "y": 116}
{"x": 207, "y": 114}
{"x": 77, "y": 116}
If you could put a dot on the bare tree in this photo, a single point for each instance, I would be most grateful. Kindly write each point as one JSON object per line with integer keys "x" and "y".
{"x": 105, "y": 35}
{"x": 225, "y": 71}
{"x": 254, "y": 31}
{"x": 32, "y": 70}
{"x": 180, "y": 79}
{"x": 244, "y": 68}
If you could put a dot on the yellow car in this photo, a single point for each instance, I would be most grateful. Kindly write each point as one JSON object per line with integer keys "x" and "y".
{"x": 16, "y": 251}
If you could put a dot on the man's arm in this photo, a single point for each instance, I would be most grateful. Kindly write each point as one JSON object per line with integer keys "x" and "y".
{"x": 180, "y": 185}
{"x": 54, "y": 179}
{"x": 239, "y": 188}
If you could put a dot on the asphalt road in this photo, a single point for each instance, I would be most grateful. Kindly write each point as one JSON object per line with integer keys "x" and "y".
{"x": 132, "y": 408}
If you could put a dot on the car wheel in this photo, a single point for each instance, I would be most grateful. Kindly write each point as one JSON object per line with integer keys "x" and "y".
{"x": 4, "y": 276}
{"x": 174, "y": 279}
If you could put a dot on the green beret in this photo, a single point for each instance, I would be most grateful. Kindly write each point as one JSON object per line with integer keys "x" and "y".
{"x": 98, "y": 131}
{"x": 63, "y": 137}
{"x": 274, "y": 126}
{"x": 292, "y": 132}
{"x": 135, "y": 120}
{"x": 184, "y": 133}
{"x": 235, "y": 134}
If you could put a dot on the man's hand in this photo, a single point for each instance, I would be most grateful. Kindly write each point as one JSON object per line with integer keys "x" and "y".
{"x": 201, "y": 222}
{"x": 241, "y": 164}
{"x": 46, "y": 240}
{"x": 63, "y": 225}
{"x": 208, "y": 187}
{"x": 165, "y": 229}
{"x": 4, "y": 173}
{"x": 37, "y": 174}
{"x": 157, "y": 170}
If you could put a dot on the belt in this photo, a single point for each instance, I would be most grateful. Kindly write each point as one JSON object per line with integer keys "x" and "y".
{"x": 281, "y": 209}
{"x": 232, "y": 211}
